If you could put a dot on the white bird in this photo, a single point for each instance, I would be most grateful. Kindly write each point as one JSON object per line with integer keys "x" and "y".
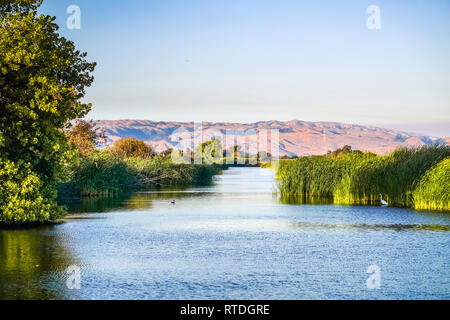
{"x": 383, "y": 202}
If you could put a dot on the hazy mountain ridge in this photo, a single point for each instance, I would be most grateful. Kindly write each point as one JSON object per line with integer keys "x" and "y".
{"x": 296, "y": 137}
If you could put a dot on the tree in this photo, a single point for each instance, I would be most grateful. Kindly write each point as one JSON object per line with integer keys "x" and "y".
{"x": 13, "y": 6}
{"x": 85, "y": 136}
{"x": 345, "y": 150}
{"x": 131, "y": 147}
{"x": 42, "y": 81}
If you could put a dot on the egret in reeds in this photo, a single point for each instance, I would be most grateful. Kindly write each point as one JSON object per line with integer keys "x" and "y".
{"x": 383, "y": 202}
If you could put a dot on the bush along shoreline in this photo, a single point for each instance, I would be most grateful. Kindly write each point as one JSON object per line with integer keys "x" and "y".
{"x": 130, "y": 165}
{"x": 105, "y": 174}
{"x": 416, "y": 178}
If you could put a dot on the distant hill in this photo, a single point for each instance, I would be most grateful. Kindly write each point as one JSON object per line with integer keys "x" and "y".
{"x": 447, "y": 140}
{"x": 296, "y": 137}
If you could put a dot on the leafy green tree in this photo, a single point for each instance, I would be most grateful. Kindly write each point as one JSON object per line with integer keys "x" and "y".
{"x": 42, "y": 81}
{"x": 13, "y": 6}
{"x": 131, "y": 147}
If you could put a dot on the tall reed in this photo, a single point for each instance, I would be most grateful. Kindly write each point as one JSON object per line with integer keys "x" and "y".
{"x": 105, "y": 174}
{"x": 433, "y": 190}
{"x": 360, "y": 178}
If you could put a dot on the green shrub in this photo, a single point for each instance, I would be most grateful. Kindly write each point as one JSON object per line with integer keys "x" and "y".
{"x": 24, "y": 197}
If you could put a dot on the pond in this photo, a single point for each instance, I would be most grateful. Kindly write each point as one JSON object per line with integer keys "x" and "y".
{"x": 233, "y": 239}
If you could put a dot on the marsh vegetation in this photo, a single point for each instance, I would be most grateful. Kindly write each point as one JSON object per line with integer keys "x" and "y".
{"x": 414, "y": 178}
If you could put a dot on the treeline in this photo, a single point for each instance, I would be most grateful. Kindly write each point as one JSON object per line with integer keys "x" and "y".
{"x": 213, "y": 152}
{"x": 127, "y": 165}
{"x": 414, "y": 178}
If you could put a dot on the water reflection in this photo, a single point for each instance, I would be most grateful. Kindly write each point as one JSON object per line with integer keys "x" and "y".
{"x": 26, "y": 259}
{"x": 370, "y": 227}
{"x": 304, "y": 200}
{"x": 132, "y": 201}
{"x": 232, "y": 240}
{"x": 93, "y": 204}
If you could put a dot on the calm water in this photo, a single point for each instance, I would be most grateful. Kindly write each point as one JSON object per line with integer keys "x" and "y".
{"x": 231, "y": 240}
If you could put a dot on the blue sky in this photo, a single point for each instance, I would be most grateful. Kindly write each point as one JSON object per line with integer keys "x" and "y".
{"x": 247, "y": 61}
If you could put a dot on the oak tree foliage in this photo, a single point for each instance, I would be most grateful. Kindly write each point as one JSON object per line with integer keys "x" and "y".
{"x": 42, "y": 81}
{"x": 85, "y": 136}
